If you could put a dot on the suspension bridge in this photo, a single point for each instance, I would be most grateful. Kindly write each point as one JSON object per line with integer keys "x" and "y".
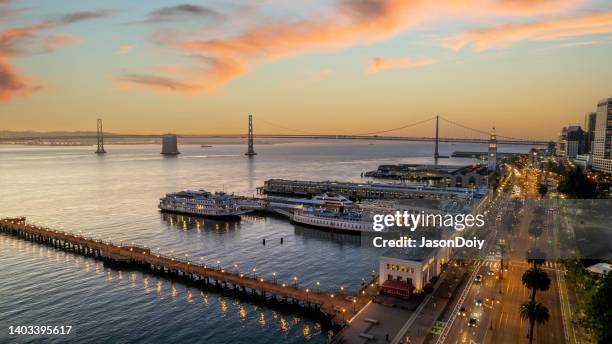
{"x": 432, "y": 124}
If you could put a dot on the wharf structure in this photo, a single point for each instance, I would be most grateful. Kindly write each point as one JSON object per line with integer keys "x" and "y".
{"x": 338, "y": 308}
{"x": 362, "y": 191}
{"x": 469, "y": 176}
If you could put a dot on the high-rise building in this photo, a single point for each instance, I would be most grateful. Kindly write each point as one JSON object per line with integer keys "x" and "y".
{"x": 589, "y": 125}
{"x": 602, "y": 143}
{"x": 562, "y": 142}
{"x": 492, "y": 156}
{"x": 575, "y": 143}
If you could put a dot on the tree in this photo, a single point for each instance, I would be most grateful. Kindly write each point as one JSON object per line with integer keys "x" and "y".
{"x": 536, "y": 279}
{"x": 536, "y": 257}
{"x": 542, "y": 190}
{"x": 577, "y": 185}
{"x": 599, "y": 310}
{"x": 535, "y": 312}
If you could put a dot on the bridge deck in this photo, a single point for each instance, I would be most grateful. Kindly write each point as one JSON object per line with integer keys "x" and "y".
{"x": 338, "y": 307}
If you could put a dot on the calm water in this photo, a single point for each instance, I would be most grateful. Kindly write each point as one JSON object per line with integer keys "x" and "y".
{"x": 115, "y": 197}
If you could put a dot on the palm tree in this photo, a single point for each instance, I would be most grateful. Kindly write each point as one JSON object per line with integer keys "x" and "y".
{"x": 535, "y": 312}
{"x": 536, "y": 279}
{"x": 536, "y": 257}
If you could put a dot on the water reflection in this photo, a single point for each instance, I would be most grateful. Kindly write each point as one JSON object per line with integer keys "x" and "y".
{"x": 261, "y": 317}
{"x": 311, "y": 233}
{"x": 186, "y": 222}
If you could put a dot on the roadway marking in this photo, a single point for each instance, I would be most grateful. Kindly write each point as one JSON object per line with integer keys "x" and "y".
{"x": 459, "y": 303}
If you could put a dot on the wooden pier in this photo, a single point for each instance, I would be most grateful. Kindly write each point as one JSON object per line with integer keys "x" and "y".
{"x": 338, "y": 307}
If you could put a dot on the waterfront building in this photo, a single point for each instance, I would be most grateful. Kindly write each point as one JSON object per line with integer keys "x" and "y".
{"x": 492, "y": 156}
{"x": 403, "y": 272}
{"x": 589, "y": 124}
{"x": 170, "y": 145}
{"x": 469, "y": 176}
{"x": 362, "y": 191}
{"x": 602, "y": 144}
{"x": 575, "y": 141}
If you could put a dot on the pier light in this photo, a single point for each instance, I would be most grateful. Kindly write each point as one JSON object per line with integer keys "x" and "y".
{"x": 261, "y": 280}
{"x": 241, "y": 275}
{"x": 284, "y": 285}
{"x": 222, "y": 271}
{"x": 332, "y": 296}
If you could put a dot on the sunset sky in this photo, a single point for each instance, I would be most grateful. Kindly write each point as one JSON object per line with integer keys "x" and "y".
{"x": 527, "y": 67}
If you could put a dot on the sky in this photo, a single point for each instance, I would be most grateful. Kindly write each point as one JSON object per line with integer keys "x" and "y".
{"x": 527, "y": 67}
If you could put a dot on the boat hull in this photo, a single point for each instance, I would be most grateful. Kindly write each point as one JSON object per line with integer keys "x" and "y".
{"x": 227, "y": 217}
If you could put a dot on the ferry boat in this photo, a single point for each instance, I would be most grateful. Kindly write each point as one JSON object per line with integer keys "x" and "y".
{"x": 202, "y": 203}
{"x": 341, "y": 220}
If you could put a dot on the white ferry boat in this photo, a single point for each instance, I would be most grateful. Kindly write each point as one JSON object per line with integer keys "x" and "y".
{"x": 343, "y": 221}
{"x": 202, "y": 203}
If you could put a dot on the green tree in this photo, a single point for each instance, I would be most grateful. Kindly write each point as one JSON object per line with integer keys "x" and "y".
{"x": 536, "y": 257}
{"x": 536, "y": 279}
{"x": 542, "y": 190}
{"x": 535, "y": 312}
{"x": 599, "y": 310}
{"x": 577, "y": 185}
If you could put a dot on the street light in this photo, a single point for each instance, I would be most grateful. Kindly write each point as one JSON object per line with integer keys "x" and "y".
{"x": 254, "y": 270}
{"x": 218, "y": 264}
{"x": 295, "y": 281}
{"x": 274, "y": 277}
{"x": 354, "y": 305}
{"x": 318, "y": 286}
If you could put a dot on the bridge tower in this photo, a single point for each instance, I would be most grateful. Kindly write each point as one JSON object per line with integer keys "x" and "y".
{"x": 250, "y": 151}
{"x": 100, "y": 137}
{"x": 492, "y": 156}
{"x": 436, "y": 153}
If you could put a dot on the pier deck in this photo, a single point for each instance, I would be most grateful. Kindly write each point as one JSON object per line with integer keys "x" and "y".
{"x": 338, "y": 307}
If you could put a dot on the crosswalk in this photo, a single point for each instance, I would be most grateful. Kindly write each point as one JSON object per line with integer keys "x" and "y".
{"x": 495, "y": 264}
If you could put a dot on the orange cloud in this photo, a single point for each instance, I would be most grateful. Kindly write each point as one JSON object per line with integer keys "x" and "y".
{"x": 24, "y": 40}
{"x": 379, "y": 64}
{"x": 124, "y": 49}
{"x": 11, "y": 83}
{"x": 350, "y": 22}
{"x": 504, "y": 36}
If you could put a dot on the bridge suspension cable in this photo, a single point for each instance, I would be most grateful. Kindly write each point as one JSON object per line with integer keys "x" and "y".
{"x": 286, "y": 128}
{"x": 480, "y": 131}
{"x": 398, "y": 128}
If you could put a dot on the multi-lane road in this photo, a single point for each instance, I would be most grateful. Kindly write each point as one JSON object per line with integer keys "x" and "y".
{"x": 493, "y": 299}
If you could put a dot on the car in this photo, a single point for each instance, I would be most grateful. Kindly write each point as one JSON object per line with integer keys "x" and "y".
{"x": 478, "y": 302}
{"x": 478, "y": 278}
{"x": 490, "y": 272}
{"x": 461, "y": 312}
{"x": 472, "y": 322}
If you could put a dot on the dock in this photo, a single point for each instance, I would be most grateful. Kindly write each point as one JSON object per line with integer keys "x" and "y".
{"x": 361, "y": 191}
{"x": 339, "y": 308}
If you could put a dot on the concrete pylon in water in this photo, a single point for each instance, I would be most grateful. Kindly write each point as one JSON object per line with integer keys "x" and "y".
{"x": 170, "y": 145}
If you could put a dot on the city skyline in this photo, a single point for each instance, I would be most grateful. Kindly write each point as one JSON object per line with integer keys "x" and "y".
{"x": 330, "y": 67}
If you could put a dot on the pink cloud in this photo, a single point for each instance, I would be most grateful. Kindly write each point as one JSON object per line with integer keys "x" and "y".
{"x": 349, "y": 23}
{"x": 379, "y": 64}
{"x": 25, "y": 40}
{"x": 504, "y": 36}
{"x": 124, "y": 49}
